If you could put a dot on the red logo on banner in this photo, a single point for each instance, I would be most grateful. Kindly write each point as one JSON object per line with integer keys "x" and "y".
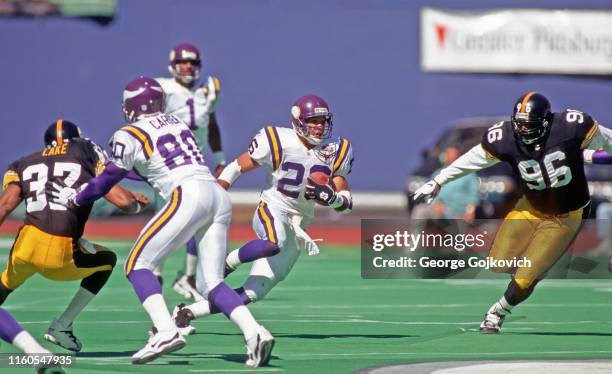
{"x": 441, "y": 32}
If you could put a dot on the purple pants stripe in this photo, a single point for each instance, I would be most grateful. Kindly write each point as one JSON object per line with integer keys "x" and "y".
{"x": 9, "y": 328}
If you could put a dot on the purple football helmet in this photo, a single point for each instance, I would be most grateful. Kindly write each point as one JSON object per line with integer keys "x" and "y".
{"x": 181, "y": 53}
{"x": 311, "y": 106}
{"x": 142, "y": 96}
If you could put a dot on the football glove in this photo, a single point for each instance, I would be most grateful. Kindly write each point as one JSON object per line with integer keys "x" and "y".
{"x": 428, "y": 191}
{"x": 65, "y": 196}
{"x": 321, "y": 193}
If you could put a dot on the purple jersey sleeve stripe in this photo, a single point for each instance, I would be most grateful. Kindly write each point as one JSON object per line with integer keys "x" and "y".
{"x": 341, "y": 154}
{"x": 142, "y": 137}
{"x": 275, "y": 148}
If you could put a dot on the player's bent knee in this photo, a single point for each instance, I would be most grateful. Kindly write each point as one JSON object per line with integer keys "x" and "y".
{"x": 523, "y": 283}
{"x": 87, "y": 260}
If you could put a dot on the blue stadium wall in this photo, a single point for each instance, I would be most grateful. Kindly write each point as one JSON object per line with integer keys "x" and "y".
{"x": 362, "y": 56}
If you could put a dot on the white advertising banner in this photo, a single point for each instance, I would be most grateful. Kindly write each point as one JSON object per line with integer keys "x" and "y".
{"x": 517, "y": 41}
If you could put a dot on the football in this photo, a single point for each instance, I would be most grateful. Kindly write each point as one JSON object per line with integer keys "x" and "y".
{"x": 319, "y": 177}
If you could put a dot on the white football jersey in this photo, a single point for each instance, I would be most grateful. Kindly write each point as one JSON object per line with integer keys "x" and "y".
{"x": 194, "y": 106}
{"x": 289, "y": 164}
{"x": 162, "y": 150}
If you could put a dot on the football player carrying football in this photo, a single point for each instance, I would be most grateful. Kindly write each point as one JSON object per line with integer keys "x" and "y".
{"x": 195, "y": 104}
{"x": 545, "y": 150}
{"x": 49, "y": 242}
{"x": 162, "y": 150}
{"x": 286, "y": 208}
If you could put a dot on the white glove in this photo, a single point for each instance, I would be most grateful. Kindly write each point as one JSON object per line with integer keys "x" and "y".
{"x": 65, "y": 195}
{"x": 428, "y": 191}
{"x": 305, "y": 240}
{"x": 587, "y": 155}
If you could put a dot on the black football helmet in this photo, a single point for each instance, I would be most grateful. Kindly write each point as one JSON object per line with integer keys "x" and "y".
{"x": 531, "y": 117}
{"x": 60, "y": 131}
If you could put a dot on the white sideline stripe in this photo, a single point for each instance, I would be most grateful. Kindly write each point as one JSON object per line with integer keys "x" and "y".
{"x": 352, "y": 320}
{"x": 28, "y": 306}
{"x": 364, "y": 199}
{"x": 353, "y": 356}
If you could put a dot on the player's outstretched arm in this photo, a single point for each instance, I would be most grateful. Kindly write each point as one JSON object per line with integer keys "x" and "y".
{"x": 472, "y": 161}
{"x": 601, "y": 140}
{"x": 243, "y": 164}
{"x": 11, "y": 197}
{"x": 100, "y": 185}
{"x": 127, "y": 201}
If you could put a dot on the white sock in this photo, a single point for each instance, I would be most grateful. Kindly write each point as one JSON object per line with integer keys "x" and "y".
{"x": 502, "y": 307}
{"x": 158, "y": 311}
{"x": 243, "y": 318}
{"x": 28, "y": 344}
{"x": 233, "y": 259}
{"x": 200, "y": 308}
{"x": 77, "y": 304}
{"x": 191, "y": 263}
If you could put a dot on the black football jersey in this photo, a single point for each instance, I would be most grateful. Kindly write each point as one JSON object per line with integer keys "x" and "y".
{"x": 551, "y": 172}
{"x": 71, "y": 164}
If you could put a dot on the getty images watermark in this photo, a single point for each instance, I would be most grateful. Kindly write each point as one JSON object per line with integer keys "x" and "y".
{"x": 454, "y": 249}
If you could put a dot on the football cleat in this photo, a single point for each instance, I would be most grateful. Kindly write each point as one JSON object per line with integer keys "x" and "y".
{"x": 63, "y": 336}
{"x": 492, "y": 323}
{"x": 228, "y": 269}
{"x": 160, "y": 343}
{"x": 182, "y": 317}
{"x": 259, "y": 348}
{"x": 185, "y": 286}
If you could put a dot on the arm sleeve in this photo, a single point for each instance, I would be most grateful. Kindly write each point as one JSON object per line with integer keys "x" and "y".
{"x": 260, "y": 150}
{"x": 473, "y": 160}
{"x": 100, "y": 185}
{"x": 600, "y": 139}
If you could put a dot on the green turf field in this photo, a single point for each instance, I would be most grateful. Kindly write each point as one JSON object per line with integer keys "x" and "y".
{"x": 327, "y": 319}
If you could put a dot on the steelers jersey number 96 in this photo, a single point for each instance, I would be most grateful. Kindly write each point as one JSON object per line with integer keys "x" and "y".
{"x": 558, "y": 174}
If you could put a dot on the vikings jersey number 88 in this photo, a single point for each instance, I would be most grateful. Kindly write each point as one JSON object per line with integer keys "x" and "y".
{"x": 290, "y": 163}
